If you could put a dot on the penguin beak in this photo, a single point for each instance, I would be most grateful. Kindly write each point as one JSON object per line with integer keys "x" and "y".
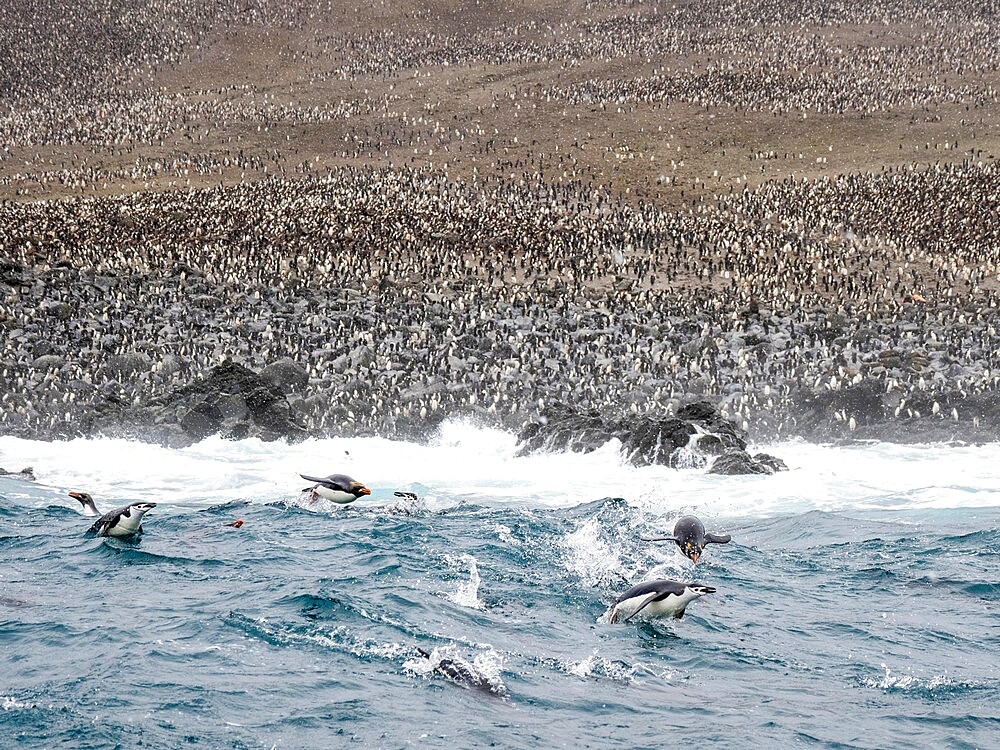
{"x": 364, "y": 491}
{"x": 694, "y": 557}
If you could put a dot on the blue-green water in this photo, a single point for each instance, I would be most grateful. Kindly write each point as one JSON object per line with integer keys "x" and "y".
{"x": 857, "y": 606}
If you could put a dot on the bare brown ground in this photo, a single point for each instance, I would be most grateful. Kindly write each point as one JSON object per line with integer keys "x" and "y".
{"x": 630, "y": 149}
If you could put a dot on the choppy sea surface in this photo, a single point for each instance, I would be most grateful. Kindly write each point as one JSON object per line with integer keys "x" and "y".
{"x": 857, "y": 606}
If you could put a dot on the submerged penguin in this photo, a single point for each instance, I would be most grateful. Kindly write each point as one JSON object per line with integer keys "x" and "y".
{"x": 338, "y": 488}
{"x": 464, "y": 674}
{"x": 124, "y": 521}
{"x": 661, "y": 598}
{"x": 690, "y": 536}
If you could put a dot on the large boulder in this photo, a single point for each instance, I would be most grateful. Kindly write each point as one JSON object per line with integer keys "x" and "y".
{"x": 687, "y": 439}
{"x": 734, "y": 462}
{"x": 286, "y": 375}
{"x": 27, "y": 474}
{"x": 232, "y": 401}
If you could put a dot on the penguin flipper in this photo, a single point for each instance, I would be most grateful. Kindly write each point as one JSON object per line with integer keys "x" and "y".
{"x": 648, "y": 600}
{"x": 717, "y": 538}
{"x": 319, "y": 480}
{"x": 678, "y": 614}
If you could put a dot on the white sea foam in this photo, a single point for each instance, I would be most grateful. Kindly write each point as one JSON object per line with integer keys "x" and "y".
{"x": 467, "y": 594}
{"x": 597, "y": 666}
{"x": 891, "y": 681}
{"x": 467, "y": 463}
{"x": 11, "y": 704}
{"x": 590, "y": 557}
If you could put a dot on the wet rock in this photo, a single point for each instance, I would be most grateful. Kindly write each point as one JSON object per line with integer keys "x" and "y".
{"x": 27, "y": 474}
{"x": 232, "y": 400}
{"x": 735, "y": 462}
{"x": 202, "y": 420}
{"x": 645, "y": 439}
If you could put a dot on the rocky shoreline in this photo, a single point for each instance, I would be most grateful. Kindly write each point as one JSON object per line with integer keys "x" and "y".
{"x": 345, "y": 322}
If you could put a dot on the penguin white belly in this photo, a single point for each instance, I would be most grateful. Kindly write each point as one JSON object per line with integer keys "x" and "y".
{"x": 667, "y": 607}
{"x": 337, "y": 496}
{"x": 124, "y": 527}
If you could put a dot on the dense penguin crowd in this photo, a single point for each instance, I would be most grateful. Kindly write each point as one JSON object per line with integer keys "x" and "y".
{"x": 399, "y": 214}
{"x": 402, "y": 297}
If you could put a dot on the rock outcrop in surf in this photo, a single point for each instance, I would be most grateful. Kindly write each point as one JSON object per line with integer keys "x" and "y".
{"x": 27, "y": 474}
{"x": 232, "y": 401}
{"x": 691, "y": 438}
{"x": 735, "y": 461}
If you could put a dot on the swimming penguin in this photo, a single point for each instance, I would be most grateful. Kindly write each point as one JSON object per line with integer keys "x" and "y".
{"x": 661, "y": 598}
{"x": 89, "y": 507}
{"x": 339, "y": 488}
{"x": 464, "y": 674}
{"x": 689, "y": 533}
{"x": 124, "y": 521}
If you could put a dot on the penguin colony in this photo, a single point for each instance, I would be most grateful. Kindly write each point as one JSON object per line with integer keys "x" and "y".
{"x": 422, "y": 222}
{"x": 399, "y": 298}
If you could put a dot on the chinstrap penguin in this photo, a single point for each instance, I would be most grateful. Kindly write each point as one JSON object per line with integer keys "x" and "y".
{"x": 660, "y": 598}
{"x": 124, "y": 521}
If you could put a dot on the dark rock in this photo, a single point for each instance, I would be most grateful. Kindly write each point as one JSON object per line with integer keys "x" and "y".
{"x": 735, "y": 462}
{"x": 645, "y": 439}
{"x": 27, "y": 474}
{"x": 13, "y": 273}
{"x": 233, "y": 407}
{"x": 773, "y": 461}
{"x": 710, "y": 445}
{"x": 286, "y": 375}
{"x": 865, "y": 402}
{"x": 232, "y": 400}
{"x": 124, "y": 367}
{"x": 201, "y": 421}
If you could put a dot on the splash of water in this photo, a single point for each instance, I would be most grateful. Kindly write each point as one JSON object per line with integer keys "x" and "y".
{"x": 467, "y": 594}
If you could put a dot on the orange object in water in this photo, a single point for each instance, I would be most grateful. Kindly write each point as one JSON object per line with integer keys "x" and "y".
{"x": 235, "y": 524}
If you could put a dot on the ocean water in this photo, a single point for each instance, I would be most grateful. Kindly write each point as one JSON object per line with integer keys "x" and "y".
{"x": 857, "y": 606}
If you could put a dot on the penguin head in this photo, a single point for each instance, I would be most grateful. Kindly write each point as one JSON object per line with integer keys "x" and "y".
{"x": 357, "y": 489}
{"x": 89, "y": 506}
{"x": 699, "y": 589}
{"x": 690, "y": 549}
{"x": 141, "y": 508}
{"x": 689, "y": 533}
